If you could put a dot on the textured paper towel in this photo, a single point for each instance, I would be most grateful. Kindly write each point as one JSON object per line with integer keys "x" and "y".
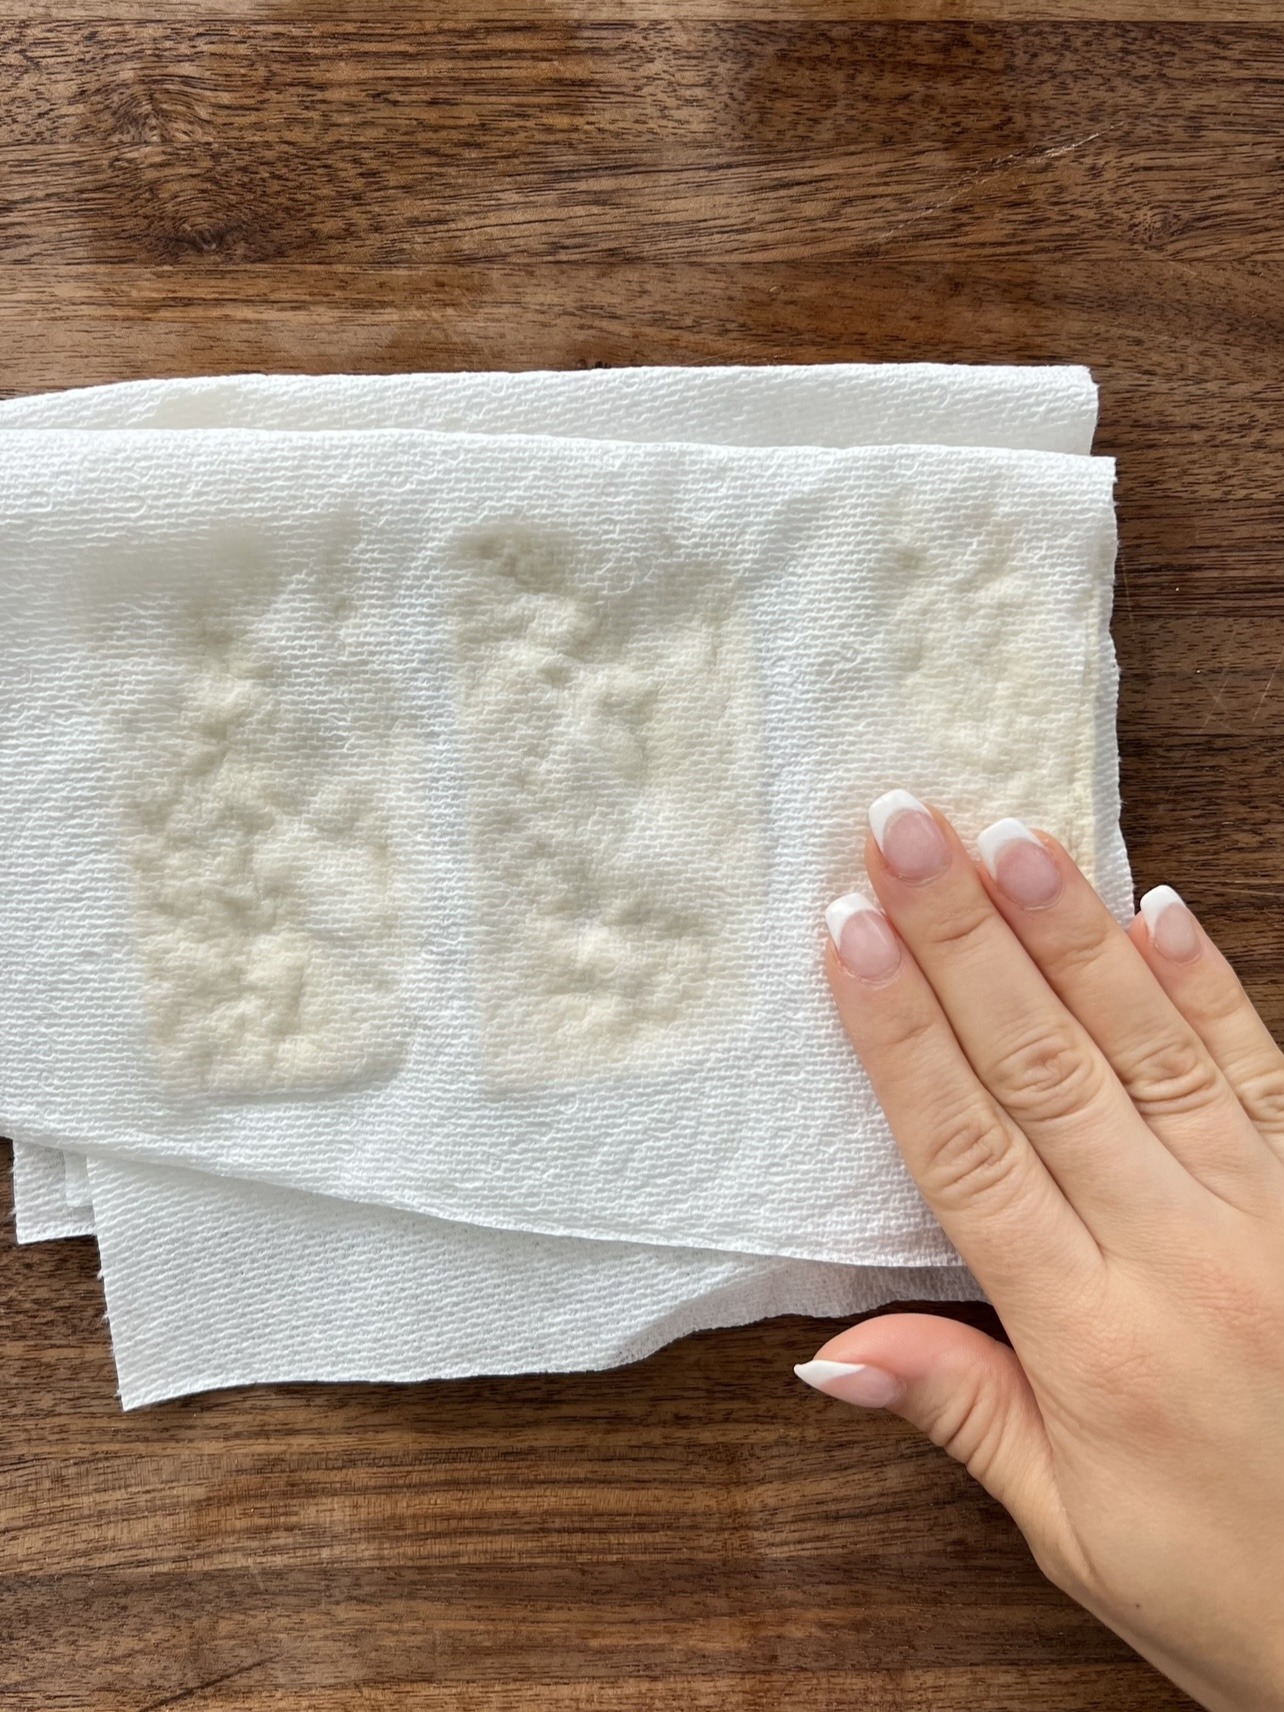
{"x": 1050, "y": 409}
{"x": 260, "y": 1331}
{"x": 213, "y": 1282}
{"x": 41, "y": 1208}
{"x": 75, "y": 1185}
{"x": 286, "y": 1321}
{"x": 1053, "y": 408}
{"x": 1040, "y": 407}
{"x": 1047, "y": 407}
{"x": 873, "y": 591}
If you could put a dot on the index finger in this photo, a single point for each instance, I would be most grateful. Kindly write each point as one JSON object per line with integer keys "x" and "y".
{"x": 993, "y": 1195}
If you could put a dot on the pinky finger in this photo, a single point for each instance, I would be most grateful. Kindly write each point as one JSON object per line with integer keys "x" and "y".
{"x": 1207, "y": 992}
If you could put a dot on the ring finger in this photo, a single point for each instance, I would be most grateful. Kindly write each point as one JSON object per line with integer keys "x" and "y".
{"x": 1167, "y": 1071}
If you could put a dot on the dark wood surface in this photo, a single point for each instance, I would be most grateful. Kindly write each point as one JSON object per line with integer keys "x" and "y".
{"x": 349, "y": 185}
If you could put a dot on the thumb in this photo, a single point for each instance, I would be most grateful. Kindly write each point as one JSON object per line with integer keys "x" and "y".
{"x": 966, "y": 1391}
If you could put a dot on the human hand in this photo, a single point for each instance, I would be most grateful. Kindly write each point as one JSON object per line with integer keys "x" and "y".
{"x": 1097, "y": 1119}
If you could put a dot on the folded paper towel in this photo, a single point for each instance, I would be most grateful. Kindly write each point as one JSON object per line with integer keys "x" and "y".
{"x": 213, "y": 1282}
{"x": 488, "y": 627}
{"x": 1053, "y": 409}
{"x": 42, "y": 1211}
{"x": 213, "y": 1341}
{"x": 1050, "y": 409}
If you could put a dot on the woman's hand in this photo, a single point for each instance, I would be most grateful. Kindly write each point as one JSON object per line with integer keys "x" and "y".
{"x": 1097, "y": 1119}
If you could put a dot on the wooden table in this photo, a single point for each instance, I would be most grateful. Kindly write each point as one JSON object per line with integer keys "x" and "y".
{"x": 340, "y": 184}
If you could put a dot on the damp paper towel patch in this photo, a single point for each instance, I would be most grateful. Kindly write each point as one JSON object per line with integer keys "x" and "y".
{"x": 879, "y": 590}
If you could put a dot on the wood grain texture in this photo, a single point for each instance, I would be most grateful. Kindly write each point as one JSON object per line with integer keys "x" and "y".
{"x": 350, "y": 186}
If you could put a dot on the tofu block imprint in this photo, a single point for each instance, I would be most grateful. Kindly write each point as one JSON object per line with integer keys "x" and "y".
{"x": 611, "y": 729}
{"x": 251, "y": 742}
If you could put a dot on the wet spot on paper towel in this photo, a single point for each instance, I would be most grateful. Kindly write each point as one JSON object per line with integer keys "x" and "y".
{"x": 987, "y": 672}
{"x": 610, "y": 715}
{"x": 252, "y": 743}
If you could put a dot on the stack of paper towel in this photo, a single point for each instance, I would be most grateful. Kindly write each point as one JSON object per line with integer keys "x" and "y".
{"x": 422, "y": 795}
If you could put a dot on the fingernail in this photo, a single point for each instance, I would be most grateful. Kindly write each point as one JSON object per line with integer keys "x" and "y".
{"x": 1173, "y": 930}
{"x": 852, "y": 1382}
{"x": 912, "y": 844}
{"x": 863, "y": 938}
{"x": 1018, "y": 863}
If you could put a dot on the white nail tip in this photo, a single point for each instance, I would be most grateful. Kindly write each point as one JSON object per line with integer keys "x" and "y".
{"x": 1155, "y": 902}
{"x": 890, "y": 804}
{"x": 995, "y": 839}
{"x": 841, "y": 911}
{"x": 819, "y": 1373}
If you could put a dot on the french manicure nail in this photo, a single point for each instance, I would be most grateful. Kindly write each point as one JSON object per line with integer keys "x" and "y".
{"x": 912, "y": 844}
{"x": 863, "y": 938}
{"x": 852, "y": 1382}
{"x": 1173, "y": 930}
{"x": 1019, "y": 864}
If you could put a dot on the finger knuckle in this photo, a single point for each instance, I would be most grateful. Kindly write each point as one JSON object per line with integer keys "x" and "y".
{"x": 974, "y": 1157}
{"x": 967, "y": 923}
{"x": 1262, "y": 1096}
{"x": 1046, "y": 1078}
{"x": 1077, "y": 951}
{"x": 971, "y": 1425}
{"x": 1172, "y": 1076}
{"x": 1219, "y": 1000}
{"x": 907, "y": 1032}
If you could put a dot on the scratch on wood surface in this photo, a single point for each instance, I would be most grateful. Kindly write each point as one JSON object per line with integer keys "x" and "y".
{"x": 996, "y": 168}
{"x": 1057, "y": 149}
{"x": 1218, "y": 707}
{"x": 1127, "y": 586}
{"x": 1279, "y": 661}
{"x": 200, "y": 1687}
{"x": 1029, "y": 157}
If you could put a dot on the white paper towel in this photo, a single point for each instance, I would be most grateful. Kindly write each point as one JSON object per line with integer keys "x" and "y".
{"x": 42, "y": 1212}
{"x": 159, "y": 1357}
{"x": 212, "y": 1282}
{"x": 291, "y": 1313}
{"x": 870, "y": 570}
{"x": 1052, "y": 409}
